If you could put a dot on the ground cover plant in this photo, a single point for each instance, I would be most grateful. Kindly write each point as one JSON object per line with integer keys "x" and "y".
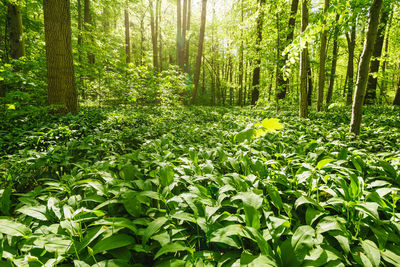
{"x": 199, "y": 186}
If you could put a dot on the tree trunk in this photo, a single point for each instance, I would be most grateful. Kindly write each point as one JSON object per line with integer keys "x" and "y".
{"x": 334, "y": 62}
{"x": 310, "y": 81}
{"x": 322, "y": 59}
{"x": 255, "y": 93}
{"x": 127, "y": 38}
{"x": 240, "y": 95}
{"x": 289, "y": 39}
{"x": 363, "y": 67}
{"x": 199, "y": 50}
{"x": 88, "y": 22}
{"x": 383, "y": 87}
{"x": 178, "y": 34}
{"x": 60, "y": 67}
{"x": 396, "y": 100}
{"x": 370, "y": 96}
{"x": 14, "y": 17}
{"x": 154, "y": 36}
{"x": 187, "y": 47}
{"x": 303, "y": 109}
{"x": 158, "y": 8}
{"x": 80, "y": 31}
{"x": 351, "y": 43}
{"x": 184, "y": 28}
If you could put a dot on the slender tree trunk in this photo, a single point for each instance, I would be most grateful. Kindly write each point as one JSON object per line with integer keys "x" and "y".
{"x": 289, "y": 39}
{"x": 322, "y": 59}
{"x": 159, "y": 2}
{"x": 80, "y": 31}
{"x": 255, "y": 94}
{"x": 231, "y": 97}
{"x": 370, "y": 96}
{"x": 60, "y": 67}
{"x": 363, "y": 67}
{"x": 200, "y": 50}
{"x": 127, "y": 38}
{"x": 14, "y": 17}
{"x": 178, "y": 34}
{"x": 396, "y": 100}
{"x": 334, "y": 62}
{"x": 187, "y": 47}
{"x": 278, "y": 68}
{"x": 184, "y": 28}
{"x": 88, "y": 22}
{"x": 154, "y": 36}
{"x": 384, "y": 63}
{"x": 303, "y": 109}
{"x": 240, "y": 96}
{"x": 310, "y": 82}
{"x": 142, "y": 40}
{"x": 351, "y": 43}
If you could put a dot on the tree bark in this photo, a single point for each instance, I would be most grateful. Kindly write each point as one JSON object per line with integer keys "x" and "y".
{"x": 255, "y": 93}
{"x": 303, "y": 108}
{"x": 322, "y": 59}
{"x": 363, "y": 67}
{"x": 351, "y": 43}
{"x": 334, "y": 62}
{"x": 289, "y": 39}
{"x": 178, "y": 34}
{"x": 187, "y": 47}
{"x": 60, "y": 67}
{"x": 240, "y": 95}
{"x": 80, "y": 31}
{"x": 160, "y": 63}
{"x": 88, "y": 22}
{"x": 154, "y": 36}
{"x": 396, "y": 100}
{"x": 127, "y": 38}
{"x": 199, "y": 50}
{"x": 310, "y": 81}
{"x": 370, "y": 96}
{"x": 14, "y": 17}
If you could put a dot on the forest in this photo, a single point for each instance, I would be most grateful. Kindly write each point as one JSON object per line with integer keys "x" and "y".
{"x": 199, "y": 133}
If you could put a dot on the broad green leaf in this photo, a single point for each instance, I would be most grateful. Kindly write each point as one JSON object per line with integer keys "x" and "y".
{"x": 37, "y": 212}
{"x": 303, "y": 241}
{"x": 369, "y": 208}
{"x": 90, "y": 236}
{"x": 112, "y": 263}
{"x": 329, "y": 223}
{"x": 153, "y": 227}
{"x": 113, "y": 242}
{"x": 275, "y": 197}
{"x": 342, "y": 240}
{"x": 390, "y": 257}
{"x": 172, "y": 248}
{"x": 12, "y": 228}
{"x": 172, "y": 263}
{"x": 271, "y": 125}
{"x": 54, "y": 243}
{"x": 372, "y": 252}
{"x": 246, "y": 134}
{"x": 323, "y": 162}
{"x": 80, "y": 264}
{"x": 166, "y": 174}
{"x": 115, "y": 221}
{"x": 306, "y": 200}
{"x": 388, "y": 168}
{"x": 255, "y": 261}
{"x": 312, "y": 215}
{"x": 5, "y": 200}
{"x": 251, "y": 203}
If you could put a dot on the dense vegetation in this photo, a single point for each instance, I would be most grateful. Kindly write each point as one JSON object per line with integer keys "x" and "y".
{"x": 169, "y": 186}
{"x": 109, "y": 155}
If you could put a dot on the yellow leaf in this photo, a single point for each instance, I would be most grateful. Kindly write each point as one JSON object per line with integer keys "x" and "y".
{"x": 260, "y": 133}
{"x": 271, "y": 125}
{"x": 10, "y": 106}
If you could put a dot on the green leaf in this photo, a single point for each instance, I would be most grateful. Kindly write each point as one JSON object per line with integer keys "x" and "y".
{"x": 271, "y": 125}
{"x": 388, "y": 168}
{"x": 172, "y": 248}
{"x": 12, "y": 228}
{"x": 246, "y": 134}
{"x": 37, "y": 212}
{"x": 54, "y": 243}
{"x": 329, "y": 223}
{"x": 5, "y": 200}
{"x": 112, "y": 242}
{"x": 251, "y": 203}
{"x": 303, "y": 241}
{"x": 323, "y": 162}
{"x": 369, "y": 208}
{"x": 11, "y": 106}
{"x": 390, "y": 257}
{"x": 112, "y": 263}
{"x": 372, "y": 252}
{"x": 166, "y": 174}
{"x": 80, "y": 264}
{"x": 90, "y": 236}
{"x": 115, "y": 221}
{"x": 275, "y": 197}
{"x": 312, "y": 215}
{"x": 255, "y": 261}
{"x": 153, "y": 227}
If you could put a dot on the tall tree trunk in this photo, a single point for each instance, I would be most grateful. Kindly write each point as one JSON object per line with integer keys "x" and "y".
{"x": 396, "y": 100}
{"x": 184, "y": 28}
{"x": 278, "y": 75}
{"x": 154, "y": 36}
{"x": 255, "y": 93}
{"x": 289, "y": 38}
{"x": 60, "y": 67}
{"x": 310, "y": 82}
{"x": 88, "y": 22}
{"x": 383, "y": 87}
{"x": 199, "y": 50}
{"x": 334, "y": 62}
{"x": 370, "y": 96}
{"x": 159, "y": 2}
{"x": 80, "y": 31}
{"x": 351, "y": 43}
{"x": 241, "y": 48}
{"x": 127, "y": 38}
{"x": 322, "y": 59}
{"x": 363, "y": 67}
{"x": 142, "y": 40}
{"x": 303, "y": 109}
{"x": 14, "y": 17}
{"x": 187, "y": 47}
{"x": 179, "y": 34}
{"x": 231, "y": 97}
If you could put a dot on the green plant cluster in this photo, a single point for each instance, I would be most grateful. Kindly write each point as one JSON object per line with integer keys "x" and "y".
{"x": 179, "y": 187}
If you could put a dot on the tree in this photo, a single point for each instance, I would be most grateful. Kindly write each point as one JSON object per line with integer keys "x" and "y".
{"x": 289, "y": 38}
{"x": 322, "y": 58}
{"x": 396, "y": 100}
{"x": 179, "y": 40}
{"x": 363, "y": 67}
{"x": 370, "y": 96}
{"x": 154, "y": 35}
{"x": 14, "y": 17}
{"x": 127, "y": 36}
{"x": 334, "y": 61}
{"x": 256, "y": 72}
{"x": 351, "y": 43}
{"x": 186, "y": 48}
{"x": 303, "y": 107}
{"x": 60, "y": 67}
{"x": 241, "y": 48}
{"x": 88, "y": 23}
{"x": 199, "y": 50}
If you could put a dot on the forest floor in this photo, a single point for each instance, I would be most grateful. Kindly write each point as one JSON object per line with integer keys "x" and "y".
{"x": 199, "y": 186}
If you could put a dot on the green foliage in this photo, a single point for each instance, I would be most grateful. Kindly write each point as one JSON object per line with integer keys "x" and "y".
{"x": 173, "y": 186}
